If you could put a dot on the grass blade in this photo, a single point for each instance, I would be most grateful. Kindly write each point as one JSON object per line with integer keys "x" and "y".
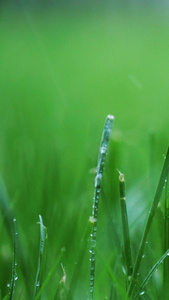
{"x": 61, "y": 287}
{"x": 115, "y": 282}
{"x": 125, "y": 225}
{"x": 166, "y": 240}
{"x": 97, "y": 185}
{"x": 8, "y": 215}
{"x": 151, "y": 214}
{"x": 49, "y": 275}
{"x": 38, "y": 280}
{"x": 150, "y": 274}
{"x": 14, "y": 274}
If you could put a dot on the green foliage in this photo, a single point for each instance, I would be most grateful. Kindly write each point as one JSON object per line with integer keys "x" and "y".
{"x": 61, "y": 74}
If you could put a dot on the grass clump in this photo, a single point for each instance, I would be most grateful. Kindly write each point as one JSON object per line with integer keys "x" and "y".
{"x": 131, "y": 287}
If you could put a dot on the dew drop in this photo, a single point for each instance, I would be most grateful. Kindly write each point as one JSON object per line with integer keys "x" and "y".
{"x": 103, "y": 150}
{"x": 97, "y": 181}
{"x": 142, "y": 293}
{"x": 93, "y": 244}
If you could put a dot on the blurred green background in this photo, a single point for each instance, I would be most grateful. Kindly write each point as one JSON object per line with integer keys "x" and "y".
{"x": 62, "y": 70}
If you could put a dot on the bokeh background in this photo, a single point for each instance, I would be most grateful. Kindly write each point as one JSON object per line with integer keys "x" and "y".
{"x": 63, "y": 68}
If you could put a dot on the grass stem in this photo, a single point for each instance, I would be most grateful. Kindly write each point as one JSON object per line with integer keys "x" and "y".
{"x": 125, "y": 225}
{"x": 151, "y": 214}
{"x": 97, "y": 188}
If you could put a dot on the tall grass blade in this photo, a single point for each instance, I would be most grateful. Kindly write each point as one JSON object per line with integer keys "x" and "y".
{"x": 125, "y": 225}
{"x": 97, "y": 188}
{"x": 150, "y": 274}
{"x": 38, "y": 280}
{"x": 8, "y": 214}
{"x": 14, "y": 274}
{"x": 50, "y": 274}
{"x": 166, "y": 240}
{"x": 151, "y": 214}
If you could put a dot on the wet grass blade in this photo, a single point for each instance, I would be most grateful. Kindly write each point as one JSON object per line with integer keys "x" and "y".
{"x": 38, "y": 280}
{"x": 50, "y": 274}
{"x": 166, "y": 240}
{"x": 150, "y": 274}
{"x": 151, "y": 214}
{"x": 8, "y": 215}
{"x": 125, "y": 225}
{"x": 14, "y": 274}
{"x": 97, "y": 188}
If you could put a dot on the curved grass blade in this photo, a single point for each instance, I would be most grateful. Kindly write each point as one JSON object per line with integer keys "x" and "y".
{"x": 14, "y": 274}
{"x": 97, "y": 188}
{"x": 38, "y": 280}
{"x": 125, "y": 225}
{"x": 49, "y": 275}
{"x": 164, "y": 175}
{"x": 150, "y": 274}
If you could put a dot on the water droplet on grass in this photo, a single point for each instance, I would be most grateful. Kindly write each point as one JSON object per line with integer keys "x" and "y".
{"x": 142, "y": 293}
{"x": 98, "y": 180}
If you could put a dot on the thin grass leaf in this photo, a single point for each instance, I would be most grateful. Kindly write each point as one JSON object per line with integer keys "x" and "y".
{"x": 113, "y": 294}
{"x": 166, "y": 240}
{"x": 151, "y": 214}
{"x": 51, "y": 272}
{"x": 61, "y": 287}
{"x": 8, "y": 215}
{"x": 14, "y": 274}
{"x": 116, "y": 283}
{"x": 125, "y": 225}
{"x": 38, "y": 280}
{"x": 150, "y": 274}
{"x": 97, "y": 188}
{"x": 82, "y": 251}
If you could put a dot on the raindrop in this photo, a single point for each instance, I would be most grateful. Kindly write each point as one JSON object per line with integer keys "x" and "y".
{"x": 103, "y": 150}
{"x": 16, "y": 277}
{"x": 97, "y": 181}
{"x": 93, "y": 243}
{"x": 142, "y": 293}
{"x": 8, "y": 285}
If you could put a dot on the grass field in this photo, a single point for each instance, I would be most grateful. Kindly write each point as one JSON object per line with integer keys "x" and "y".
{"x": 61, "y": 74}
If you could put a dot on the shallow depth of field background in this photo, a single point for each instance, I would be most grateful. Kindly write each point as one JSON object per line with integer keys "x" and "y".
{"x": 62, "y": 70}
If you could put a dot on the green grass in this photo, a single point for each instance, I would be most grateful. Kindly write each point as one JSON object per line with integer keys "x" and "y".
{"x": 61, "y": 74}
